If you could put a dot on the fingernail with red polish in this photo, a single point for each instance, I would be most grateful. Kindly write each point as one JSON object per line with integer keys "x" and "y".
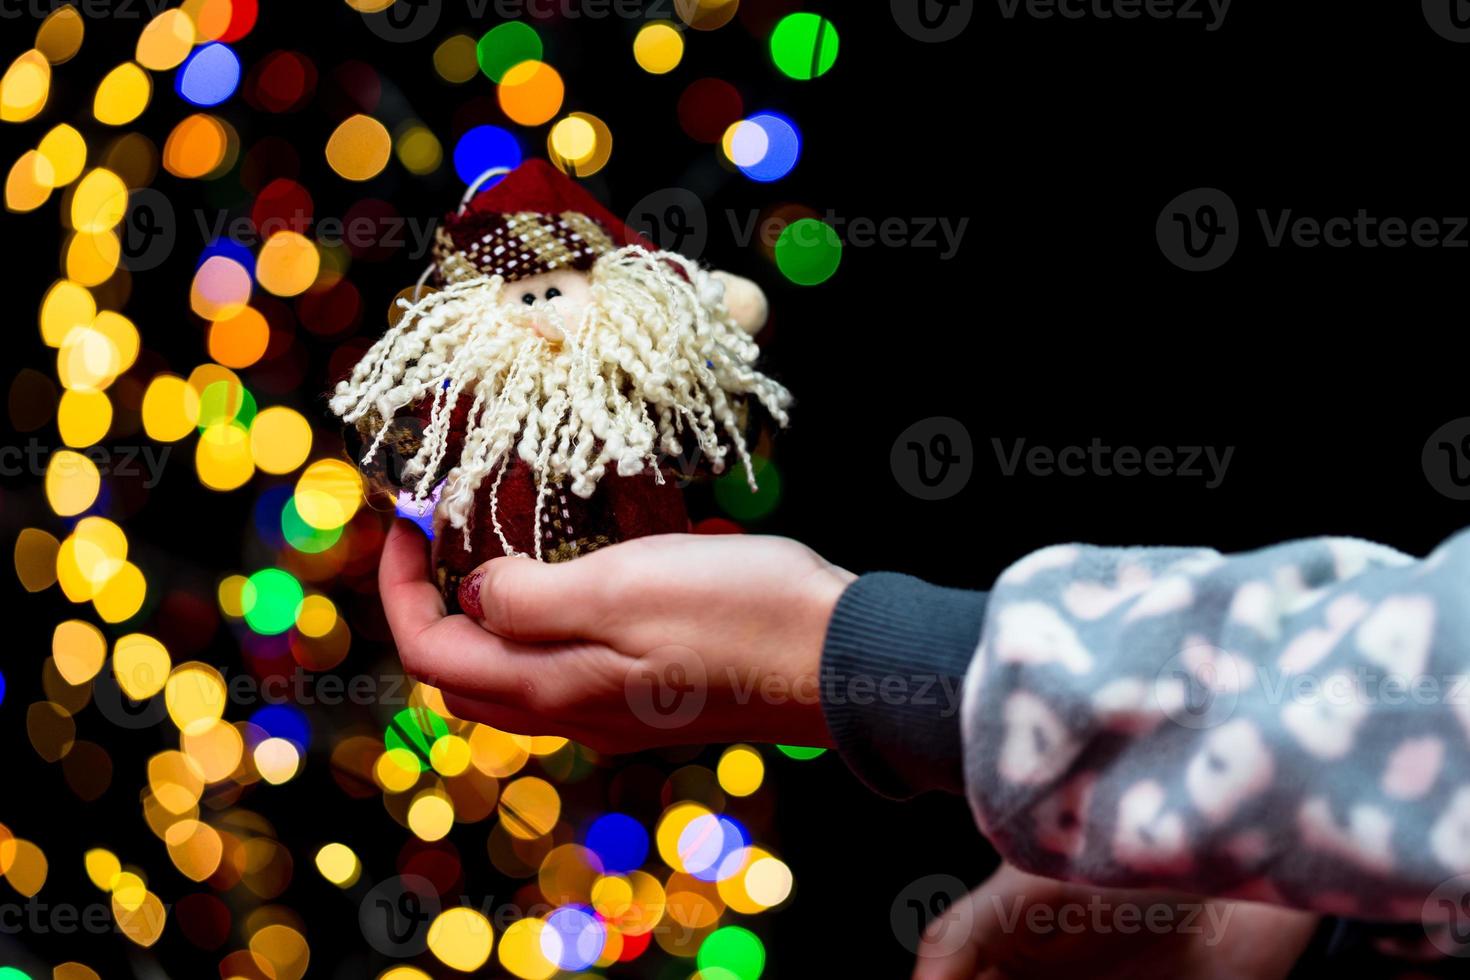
{"x": 469, "y": 594}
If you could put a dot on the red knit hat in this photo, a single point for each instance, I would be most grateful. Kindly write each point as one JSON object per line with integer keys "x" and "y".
{"x": 534, "y": 220}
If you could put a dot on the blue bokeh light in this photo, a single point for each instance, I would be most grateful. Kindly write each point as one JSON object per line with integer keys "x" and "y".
{"x": 209, "y": 76}
{"x": 619, "y": 841}
{"x": 784, "y": 148}
{"x": 484, "y": 148}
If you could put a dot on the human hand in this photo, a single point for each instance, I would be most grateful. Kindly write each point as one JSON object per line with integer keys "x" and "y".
{"x": 1020, "y": 925}
{"x": 659, "y": 640}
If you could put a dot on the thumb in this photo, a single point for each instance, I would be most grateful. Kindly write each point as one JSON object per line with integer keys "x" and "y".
{"x": 524, "y": 599}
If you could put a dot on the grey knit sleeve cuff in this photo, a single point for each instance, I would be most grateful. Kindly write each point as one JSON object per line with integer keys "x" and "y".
{"x": 893, "y": 670}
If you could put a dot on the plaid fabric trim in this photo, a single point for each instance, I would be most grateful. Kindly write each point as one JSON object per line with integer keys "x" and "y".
{"x": 522, "y": 244}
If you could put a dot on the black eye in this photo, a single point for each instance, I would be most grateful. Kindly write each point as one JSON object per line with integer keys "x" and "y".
{"x": 529, "y": 299}
{"x": 553, "y": 293}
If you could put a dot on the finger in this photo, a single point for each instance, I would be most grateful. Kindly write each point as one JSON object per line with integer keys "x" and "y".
{"x": 411, "y": 601}
{"x": 533, "y": 601}
{"x": 456, "y": 654}
{"x": 950, "y": 948}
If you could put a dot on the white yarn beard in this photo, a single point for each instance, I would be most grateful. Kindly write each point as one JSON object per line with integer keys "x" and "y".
{"x": 655, "y": 357}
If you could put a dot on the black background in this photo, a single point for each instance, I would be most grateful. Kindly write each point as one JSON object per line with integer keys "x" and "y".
{"x": 1058, "y": 321}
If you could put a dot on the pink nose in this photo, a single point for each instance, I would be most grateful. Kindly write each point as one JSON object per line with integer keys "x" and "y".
{"x": 548, "y": 329}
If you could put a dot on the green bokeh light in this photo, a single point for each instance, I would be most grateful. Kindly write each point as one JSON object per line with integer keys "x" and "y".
{"x": 302, "y": 536}
{"x": 11, "y": 973}
{"x": 732, "y": 491}
{"x": 801, "y": 752}
{"x": 734, "y": 950}
{"x": 270, "y": 599}
{"x": 808, "y": 251}
{"x": 415, "y": 729}
{"x": 504, "y": 47}
{"x": 226, "y": 401}
{"x": 804, "y": 46}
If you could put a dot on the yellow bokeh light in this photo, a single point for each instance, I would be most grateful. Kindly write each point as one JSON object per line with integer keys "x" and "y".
{"x": 119, "y": 330}
{"x": 194, "y": 692}
{"x": 170, "y": 408}
{"x": 99, "y": 202}
{"x": 581, "y": 144}
{"x": 430, "y": 816}
{"x": 65, "y": 148}
{"x": 529, "y": 808}
{"x": 497, "y": 753}
{"x": 531, "y": 93}
{"x": 194, "y": 847}
{"x": 671, "y": 827}
{"x": 520, "y": 951}
{"x": 72, "y": 970}
{"x": 328, "y": 494}
{"x": 461, "y": 938}
{"x": 175, "y": 783}
{"x": 359, "y": 148}
{"x": 60, "y": 35}
{"x": 92, "y": 259}
{"x": 658, "y": 48}
{"x": 143, "y": 924}
{"x": 30, "y": 182}
{"x": 339, "y": 865}
{"x": 79, "y": 649}
{"x": 24, "y": 87}
{"x": 214, "y": 747}
{"x": 222, "y": 456}
{"x": 24, "y": 865}
{"x": 166, "y": 41}
{"x": 419, "y": 150}
{"x": 35, "y": 559}
{"x": 232, "y": 595}
{"x": 88, "y": 360}
{"x": 455, "y": 59}
{"x": 706, "y": 15}
{"x": 288, "y": 263}
{"x": 72, "y": 482}
{"x": 284, "y": 949}
{"x": 277, "y": 760}
{"x": 141, "y": 665}
{"x": 122, "y": 596}
{"x": 83, "y": 417}
{"x": 67, "y": 305}
{"x": 449, "y": 755}
{"x": 316, "y": 617}
{"x": 741, "y": 770}
{"x": 102, "y": 867}
{"x": 397, "y": 770}
{"x": 122, "y": 95}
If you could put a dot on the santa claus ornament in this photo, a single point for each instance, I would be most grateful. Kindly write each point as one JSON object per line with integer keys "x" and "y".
{"x": 532, "y": 391}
